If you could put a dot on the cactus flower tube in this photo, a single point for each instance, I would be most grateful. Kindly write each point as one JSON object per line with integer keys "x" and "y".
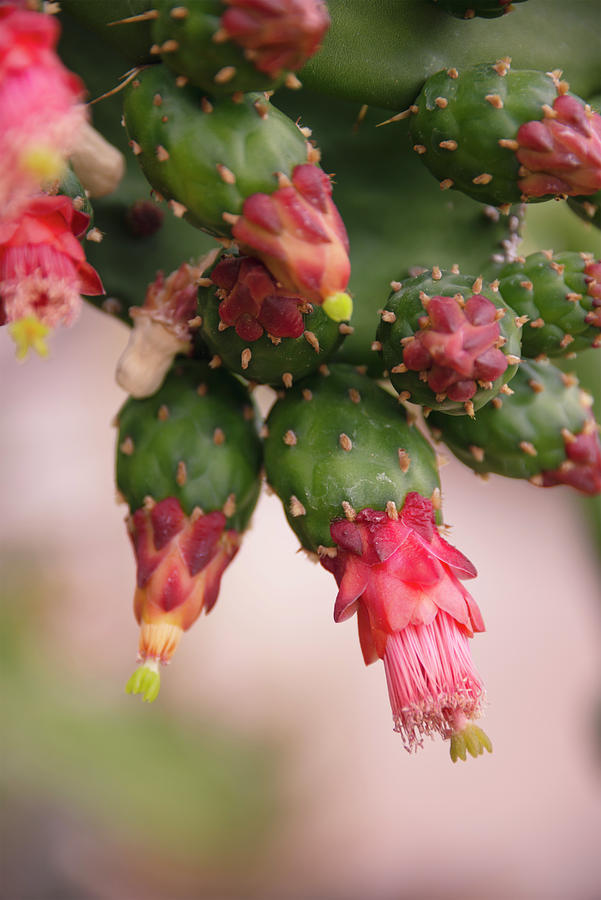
{"x": 43, "y": 269}
{"x": 180, "y": 560}
{"x": 299, "y": 235}
{"x": 403, "y": 581}
{"x": 40, "y": 106}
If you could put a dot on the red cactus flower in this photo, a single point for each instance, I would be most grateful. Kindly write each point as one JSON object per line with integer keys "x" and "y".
{"x": 561, "y": 153}
{"x": 252, "y": 302}
{"x": 43, "y": 268}
{"x": 278, "y": 35}
{"x": 403, "y": 581}
{"x": 457, "y": 346}
{"x": 180, "y": 561}
{"x": 40, "y": 108}
{"x": 299, "y": 235}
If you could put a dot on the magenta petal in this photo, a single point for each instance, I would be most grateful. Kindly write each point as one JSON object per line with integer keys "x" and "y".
{"x": 448, "y": 554}
{"x": 353, "y": 584}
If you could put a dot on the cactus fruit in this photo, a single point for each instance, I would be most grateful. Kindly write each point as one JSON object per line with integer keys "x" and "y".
{"x": 238, "y": 45}
{"x": 205, "y": 155}
{"x": 486, "y": 9}
{"x": 501, "y": 135}
{"x": 449, "y": 341}
{"x": 188, "y": 462}
{"x": 163, "y": 327}
{"x": 333, "y": 448}
{"x": 261, "y": 331}
{"x": 337, "y": 437}
{"x": 560, "y": 293}
{"x": 543, "y": 430}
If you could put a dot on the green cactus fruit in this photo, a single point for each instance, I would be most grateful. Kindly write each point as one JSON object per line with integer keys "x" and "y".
{"x": 195, "y": 440}
{"x": 501, "y": 135}
{"x": 337, "y": 438}
{"x": 485, "y": 9}
{"x": 188, "y": 465}
{"x": 560, "y": 293}
{"x": 207, "y": 156}
{"x": 238, "y": 46}
{"x": 258, "y": 329}
{"x": 449, "y": 341}
{"x": 543, "y": 430}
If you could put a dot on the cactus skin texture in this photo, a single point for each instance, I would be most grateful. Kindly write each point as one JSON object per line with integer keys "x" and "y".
{"x": 260, "y": 331}
{"x": 337, "y": 437}
{"x": 207, "y": 157}
{"x": 188, "y": 461}
{"x": 501, "y": 135}
{"x": 561, "y": 295}
{"x": 544, "y": 431}
{"x": 250, "y": 45}
{"x": 446, "y": 353}
{"x": 485, "y": 9}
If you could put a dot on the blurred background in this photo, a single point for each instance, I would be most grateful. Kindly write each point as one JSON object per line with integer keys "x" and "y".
{"x": 268, "y": 767}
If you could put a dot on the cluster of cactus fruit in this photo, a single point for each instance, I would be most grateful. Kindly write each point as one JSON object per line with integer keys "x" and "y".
{"x": 465, "y": 357}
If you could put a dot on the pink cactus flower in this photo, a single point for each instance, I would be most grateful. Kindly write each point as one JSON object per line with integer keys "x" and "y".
{"x": 562, "y": 153}
{"x": 299, "y": 235}
{"x": 40, "y": 106}
{"x": 43, "y": 269}
{"x": 180, "y": 561}
{"x": 278, "y": 35}
{"x": 403, "y": 581}
{"x": 253, "y": 303}
{"x": 457, "y": 346}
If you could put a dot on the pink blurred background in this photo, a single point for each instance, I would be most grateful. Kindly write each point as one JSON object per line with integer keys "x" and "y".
{"x": 98, "y": 806}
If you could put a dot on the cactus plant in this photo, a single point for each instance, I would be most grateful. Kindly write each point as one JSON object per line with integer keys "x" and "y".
{"x": 229, "y": 250}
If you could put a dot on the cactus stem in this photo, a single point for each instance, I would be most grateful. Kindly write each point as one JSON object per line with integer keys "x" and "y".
{"x": 296, "y": 507}
{"x": 245, "y": 356}
{"x": 349, "y": 511}
{"x": 218, "y": 436}
{"x": 127, "y": 446}
{"x": 345, "y": 442}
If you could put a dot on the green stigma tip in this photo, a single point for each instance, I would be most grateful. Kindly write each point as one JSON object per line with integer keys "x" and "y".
{"x": 145, "y": 681}
{"x": 338, "y": 307}
{"x": 470, "y": 740}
